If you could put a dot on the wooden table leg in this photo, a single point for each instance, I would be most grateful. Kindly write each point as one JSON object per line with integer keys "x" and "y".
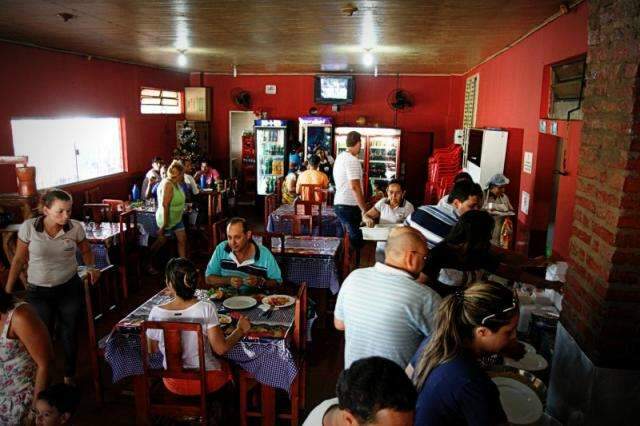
{"x": 268, "y": 402}
{"x": 141, "y": 398}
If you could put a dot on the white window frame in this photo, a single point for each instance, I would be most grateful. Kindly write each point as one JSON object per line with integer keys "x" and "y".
{"x": 472, "y": 88}
{"x": 154, "y": 101}
{"x": 45, "y": 152}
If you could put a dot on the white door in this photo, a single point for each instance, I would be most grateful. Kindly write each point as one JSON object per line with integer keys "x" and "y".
{"x": 239, "y": 123}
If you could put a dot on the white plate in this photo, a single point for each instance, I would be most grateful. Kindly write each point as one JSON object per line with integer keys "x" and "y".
{"x": 531, "y": 361}
{"x": 520, "y": 403}
{"x": 239, "y": 302}
{"x": 224, "y": 319}
{"x": 290, "y": 300}
{"x": 528, "y": 347}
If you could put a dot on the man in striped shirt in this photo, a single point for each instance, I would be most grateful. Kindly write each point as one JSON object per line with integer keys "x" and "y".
{"x": 436, "y": 221}
{"x": 383, "y": 310}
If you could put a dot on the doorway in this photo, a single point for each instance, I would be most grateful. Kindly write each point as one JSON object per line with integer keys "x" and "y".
{"x": 239, "y": 123}
{"x": 415, "y": 149}
{"x": 559, "y": 169}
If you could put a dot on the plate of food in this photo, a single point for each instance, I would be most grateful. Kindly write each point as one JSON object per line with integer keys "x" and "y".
{"x": 216, "y": 294}
{"x": 521, "y": 403}
{"x": 531, "y": 361}
{"x": 278, "y": 300}
{"x": 239, "y": 302}
{"x": 224, "y": 319}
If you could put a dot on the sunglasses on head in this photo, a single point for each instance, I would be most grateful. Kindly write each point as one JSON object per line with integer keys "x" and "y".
{"x": 513, "y": 307}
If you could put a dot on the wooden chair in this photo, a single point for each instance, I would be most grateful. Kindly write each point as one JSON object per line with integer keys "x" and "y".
{"x": 326, "y": 195}
{"x": 159, "y": 401}
{"x": 93, "y": 195}
{"x": 270, "y": 204}
{"x": 129, "y": 249}
{"x": 301, "y": 224}
{"x": 309, "y": 208}
{"x": 346, "y": 253}
{"x": 308, "y": 192}
{"x": 214, "y": 207}
{"x": 298, "y": 390}
{"x": 115, "y": 208}
{"x": 267, "y": 240}
{"x": 218, "y": 233}
{"x": 97, "y": 212}
{"x": 100, "y": 298}
{"x": 278, "y": 192}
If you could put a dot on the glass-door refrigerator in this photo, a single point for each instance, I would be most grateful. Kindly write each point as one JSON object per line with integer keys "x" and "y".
{"x": 379, "y": 155}
{"x": 271, "y": 161}
{"x": 315, "y": 132}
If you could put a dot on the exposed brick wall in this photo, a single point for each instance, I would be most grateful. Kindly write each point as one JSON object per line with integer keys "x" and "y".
{"x": 602, "y": 301}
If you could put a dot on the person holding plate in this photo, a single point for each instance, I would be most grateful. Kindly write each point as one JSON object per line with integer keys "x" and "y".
{"x": 496, "y": 202}
{"x": 181, "y": 278}
{"x": 240, "y": 261}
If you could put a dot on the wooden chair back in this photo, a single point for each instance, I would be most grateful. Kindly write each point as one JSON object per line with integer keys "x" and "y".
{"x": 92, "y": 195}
{"x": 309, "y": 208}
{"x": 214, "y": 207}
{"x": 172, "y": 334}
{"x": 267, "y": 240}
{"x": 97, "y": 212}
{"x": 299, "y": 337}
{"x": 279, "y": 182}
{"x": 270, "y": 204}
{"x": 115, "y": 208}
{"x": 308, "y": 192}
{"x": 325, "y": 196}
{"x": 346, "y": 253}
{"x": 100, "y": 298}
{"x": 128, "y": 245}
{"x": 218, "y": 233}
{"x": 301, "y": 224}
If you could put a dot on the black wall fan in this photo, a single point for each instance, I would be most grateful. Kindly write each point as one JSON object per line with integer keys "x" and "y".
{"x": 400, "y": 100}
{"x": 241, "y": 98}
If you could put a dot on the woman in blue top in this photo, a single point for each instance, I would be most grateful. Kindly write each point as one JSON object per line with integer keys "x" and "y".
{"x": 453, "y": 388}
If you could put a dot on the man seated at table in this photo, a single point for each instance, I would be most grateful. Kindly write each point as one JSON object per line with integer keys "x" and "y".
{"x": 239, "y": 260}
{"x": 210, "y": 174}
{"x": 372, "y": 391}
{"x": 392, "y": 209}
{"x": 152, "y": 177}
{"x": 382, "y": 309}
{"x": 311, "y": 176}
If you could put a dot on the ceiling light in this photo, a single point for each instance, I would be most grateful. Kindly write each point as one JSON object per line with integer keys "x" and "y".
{"x": 182, "y": 58}
{"x": 367, "y": 59}
{"x": 235, "y": 71}
{"x": 375, "y": 71}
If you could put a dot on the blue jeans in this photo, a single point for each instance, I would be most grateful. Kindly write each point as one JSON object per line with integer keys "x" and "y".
{"x": 351, "y": 217}
{"x": 61, "y": 304}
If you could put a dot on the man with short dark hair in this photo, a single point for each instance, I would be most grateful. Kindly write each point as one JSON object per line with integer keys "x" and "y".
{"x": 435, "y": 221}
{"x": 152, "y": 177}
{"x": 349, "y": 202}
{"x": 311, "y": 176}
{"x": 239, "y": 260}
{"x": 210, "y": 174}
{"x": 373, "y": 391}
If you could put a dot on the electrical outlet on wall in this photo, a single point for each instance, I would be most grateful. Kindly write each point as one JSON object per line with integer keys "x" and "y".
{"x": 270, "y": 89}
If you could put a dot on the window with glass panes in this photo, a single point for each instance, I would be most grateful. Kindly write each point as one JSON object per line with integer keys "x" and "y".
{"x": 159, "y": 101}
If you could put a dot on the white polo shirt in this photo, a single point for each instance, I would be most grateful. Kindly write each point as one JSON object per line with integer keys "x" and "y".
{"x": 393, "y": 215}
{"x": 52, "y": 260}
{"x": 346, "y": 168}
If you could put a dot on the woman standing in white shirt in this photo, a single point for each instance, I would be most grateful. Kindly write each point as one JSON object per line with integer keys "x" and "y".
{"x": 182, "y": 281}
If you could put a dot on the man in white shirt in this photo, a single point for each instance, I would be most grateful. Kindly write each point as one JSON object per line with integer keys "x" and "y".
{"x": 373, "y": 391}
{"x": 383, "y": 310}
{"x": 349, "y": 203}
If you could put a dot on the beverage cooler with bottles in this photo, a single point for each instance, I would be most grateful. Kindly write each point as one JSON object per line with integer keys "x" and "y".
{"x": 315, "y": 132}
{"x": 271, "y": 161}
{"x": 379, "y": 153}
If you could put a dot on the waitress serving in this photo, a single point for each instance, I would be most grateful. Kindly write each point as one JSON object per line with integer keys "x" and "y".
{"x": 48, "y": 245}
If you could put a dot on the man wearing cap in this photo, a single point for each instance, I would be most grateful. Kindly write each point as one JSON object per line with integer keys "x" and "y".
{"x": 497, "y": 204}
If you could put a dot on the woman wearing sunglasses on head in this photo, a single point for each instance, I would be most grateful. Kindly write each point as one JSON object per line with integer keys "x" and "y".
{"x": 453, "y": 388}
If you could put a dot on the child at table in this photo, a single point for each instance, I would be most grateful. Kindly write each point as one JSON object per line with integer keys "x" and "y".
{"x": 181, "y": 278}
{"x": 56, "y": 405}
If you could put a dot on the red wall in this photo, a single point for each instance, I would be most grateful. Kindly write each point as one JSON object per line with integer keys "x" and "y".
{"x": 41, "y": 83}
{"x": 510, "y": 96}
{"x": 436, "y": 109}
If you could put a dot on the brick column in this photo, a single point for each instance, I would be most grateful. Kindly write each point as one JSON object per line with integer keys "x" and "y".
{"x": 596, "y": 365}
{"x": 602, "y": 303}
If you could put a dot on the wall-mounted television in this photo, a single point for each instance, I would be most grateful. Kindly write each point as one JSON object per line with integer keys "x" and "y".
{"x": 334, "y": 89}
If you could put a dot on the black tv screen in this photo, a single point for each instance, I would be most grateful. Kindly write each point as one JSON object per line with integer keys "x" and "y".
{"x": 334, "y": 89}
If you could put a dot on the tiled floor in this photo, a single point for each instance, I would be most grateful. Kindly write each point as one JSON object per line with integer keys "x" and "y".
{"x": 324, "y": 360}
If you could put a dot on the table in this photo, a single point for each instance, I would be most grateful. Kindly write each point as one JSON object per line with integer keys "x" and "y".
{"x": 331, "y": 225}
{"x": 147, "y": 220}
{"x": 101, "y": 238}
{"x": 309, "y": 259}
{"x": 269, "y": 360}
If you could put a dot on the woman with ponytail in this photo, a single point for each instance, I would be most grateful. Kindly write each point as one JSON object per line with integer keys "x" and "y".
{"x": 453, "y": 388}
{"x": 182, "y": 281}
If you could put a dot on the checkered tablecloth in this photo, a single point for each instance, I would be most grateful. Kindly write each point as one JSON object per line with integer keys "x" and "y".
{"x": 331, "y": 226}
{"x": 269, "y": 360}
{"x": 316, "y": 272}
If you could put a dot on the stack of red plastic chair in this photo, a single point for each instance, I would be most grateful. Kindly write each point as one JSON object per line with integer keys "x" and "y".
{"x": 442, "y": 167}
